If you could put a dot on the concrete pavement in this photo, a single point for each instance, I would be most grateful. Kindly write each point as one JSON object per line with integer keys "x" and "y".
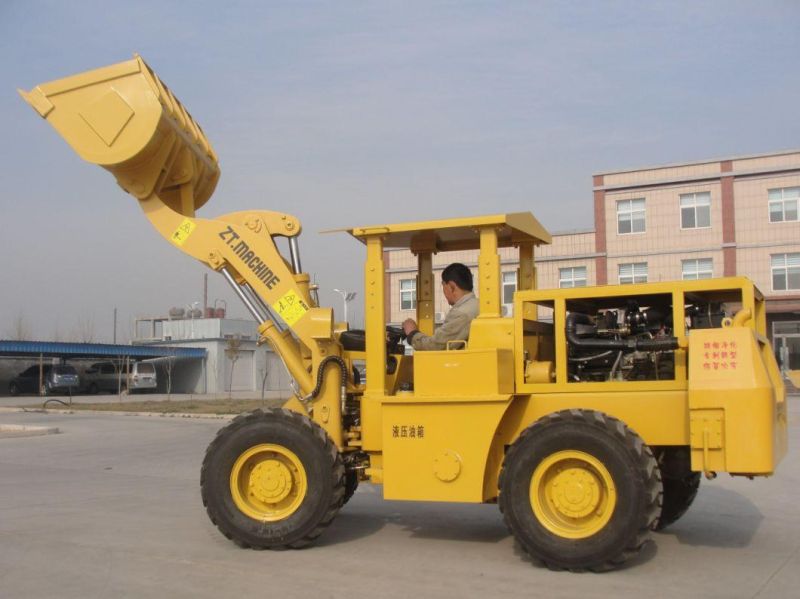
{"x": 111, "y": 507}
{"x": 36, "y": 401}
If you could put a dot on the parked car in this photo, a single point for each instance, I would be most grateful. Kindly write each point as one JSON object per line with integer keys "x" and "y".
{"x": 59, "y": 378}
{"x": 112, "y": 378}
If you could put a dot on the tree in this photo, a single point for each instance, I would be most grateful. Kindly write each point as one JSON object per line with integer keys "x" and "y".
{"x": 264, "y": 372}
{"x": 123, "y": 370}
{"x": 169, "y": 365}
{"x": 211, "y": 370}
{"x": 232, "y": 352}
{"x": 84, "y": 329}
{"x": 57, "y": 336}
{"x": 20, "y": 329}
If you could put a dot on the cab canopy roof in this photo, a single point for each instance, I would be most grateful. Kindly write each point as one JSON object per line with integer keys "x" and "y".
{"x": 457, "y": 233}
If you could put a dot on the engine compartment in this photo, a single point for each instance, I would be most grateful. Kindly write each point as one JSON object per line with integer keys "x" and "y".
{"x": 631, "y": 339}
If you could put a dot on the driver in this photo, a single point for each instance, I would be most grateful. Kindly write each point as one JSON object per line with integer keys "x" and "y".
{"x": 457, "y": 288}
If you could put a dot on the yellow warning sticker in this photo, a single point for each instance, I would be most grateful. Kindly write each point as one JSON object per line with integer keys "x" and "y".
{"x": 291, "y": 307}
{"x": 183, "y": 231}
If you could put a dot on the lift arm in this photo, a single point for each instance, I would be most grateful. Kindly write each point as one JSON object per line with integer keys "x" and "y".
{"x": 124, "y": 119}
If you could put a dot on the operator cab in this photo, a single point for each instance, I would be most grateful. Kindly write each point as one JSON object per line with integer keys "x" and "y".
{"x": 489, "y": 332}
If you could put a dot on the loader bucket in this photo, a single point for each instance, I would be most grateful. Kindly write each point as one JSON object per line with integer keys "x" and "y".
{"x": 123, "y": 118}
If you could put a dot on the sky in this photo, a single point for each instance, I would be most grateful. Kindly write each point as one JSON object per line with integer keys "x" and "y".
{"x": 356, "y": 113}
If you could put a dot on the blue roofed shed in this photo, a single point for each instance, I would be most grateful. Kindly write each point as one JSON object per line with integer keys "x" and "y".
{"x": 55, "y": 349}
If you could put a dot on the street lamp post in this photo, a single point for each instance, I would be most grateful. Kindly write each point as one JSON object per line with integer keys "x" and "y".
{"x": 347, "y": 296}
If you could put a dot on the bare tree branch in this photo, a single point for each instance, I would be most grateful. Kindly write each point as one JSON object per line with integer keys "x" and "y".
{"x": 232, "y": 352}
{"x": 57, "y": 336}
{"x": 20, "y": 329}
{"x": 84, "y": 330}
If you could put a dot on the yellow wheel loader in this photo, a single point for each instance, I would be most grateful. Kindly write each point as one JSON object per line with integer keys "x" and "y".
{"x": 588, "y": 416}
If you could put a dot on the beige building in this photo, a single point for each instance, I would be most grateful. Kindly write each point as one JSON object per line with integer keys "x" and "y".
{"x": 714, "y": 218}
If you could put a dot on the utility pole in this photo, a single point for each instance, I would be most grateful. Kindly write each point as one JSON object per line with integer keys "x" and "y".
{"x": 115, "y": 325}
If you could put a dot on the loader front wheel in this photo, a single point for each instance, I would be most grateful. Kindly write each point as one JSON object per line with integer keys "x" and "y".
{"x": 579, "y": 490}
{"x": 272, "y": 479}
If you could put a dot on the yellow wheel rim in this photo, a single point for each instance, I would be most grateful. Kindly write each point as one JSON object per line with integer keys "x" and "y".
{"x": 572, "y": 494}
{"x": 268, "y": 482}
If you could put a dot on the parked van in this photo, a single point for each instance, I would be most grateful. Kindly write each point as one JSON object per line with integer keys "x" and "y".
{"x": 143, "y": 377}
{"x": 109, "y": 377}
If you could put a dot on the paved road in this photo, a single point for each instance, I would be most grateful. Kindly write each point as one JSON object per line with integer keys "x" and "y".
{"x": 35, "y": 401}
{"x": 110, "y": 507}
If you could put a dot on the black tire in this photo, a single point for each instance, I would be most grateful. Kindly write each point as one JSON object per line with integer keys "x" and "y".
{"x": 318, "y": 456}
{"x": 573, "y": 443}
{"x": 350, "y": 485}
{"x": 93, "y": 389}
{"x": 680, "y": 484}
{"x": 13, "y": 389}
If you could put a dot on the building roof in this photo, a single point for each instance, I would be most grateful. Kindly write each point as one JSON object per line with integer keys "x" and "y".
{"x": 695, "y": 162}
{"x": 95, "y": 350}
{"x": 457, "y": 233}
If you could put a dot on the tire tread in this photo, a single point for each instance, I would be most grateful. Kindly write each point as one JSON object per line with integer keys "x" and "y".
{"x": 316, "y": 432}
{"x": 648, "y": 469}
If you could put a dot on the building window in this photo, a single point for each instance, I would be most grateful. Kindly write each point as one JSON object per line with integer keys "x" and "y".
{"x": 634, "y": 272}
{"x": 702, "y": 268}
{"x": 630, "y": 216}
{"x": 785, "y": 272}
{"x": 574, "y": 276}
{"x": 783, "y": 204}
{"x": 695, "y": 210}
{"x": 509, "y": 287}
{"x": 408, "y": 294}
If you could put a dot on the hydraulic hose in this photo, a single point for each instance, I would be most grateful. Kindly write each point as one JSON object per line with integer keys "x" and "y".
{"x": 594, "y": 357}
{"x": 631, "y": 344}
{"x": 321, "y": 377}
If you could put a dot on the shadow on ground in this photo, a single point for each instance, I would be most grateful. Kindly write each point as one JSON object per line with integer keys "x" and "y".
{"x": 719, "y": 518}
{"x": 367, "y": 513}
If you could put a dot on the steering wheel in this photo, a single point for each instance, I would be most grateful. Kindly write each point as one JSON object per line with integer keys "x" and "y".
{"x": 394, "y": 334}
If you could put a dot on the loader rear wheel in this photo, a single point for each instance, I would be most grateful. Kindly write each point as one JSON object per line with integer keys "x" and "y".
{"x": 579, "y": 490}
{"x": 272, "y": 479}
{"x": 679, "y": 494}
{"x": 680, "y": 484}
{"x": 350, "y": 485}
